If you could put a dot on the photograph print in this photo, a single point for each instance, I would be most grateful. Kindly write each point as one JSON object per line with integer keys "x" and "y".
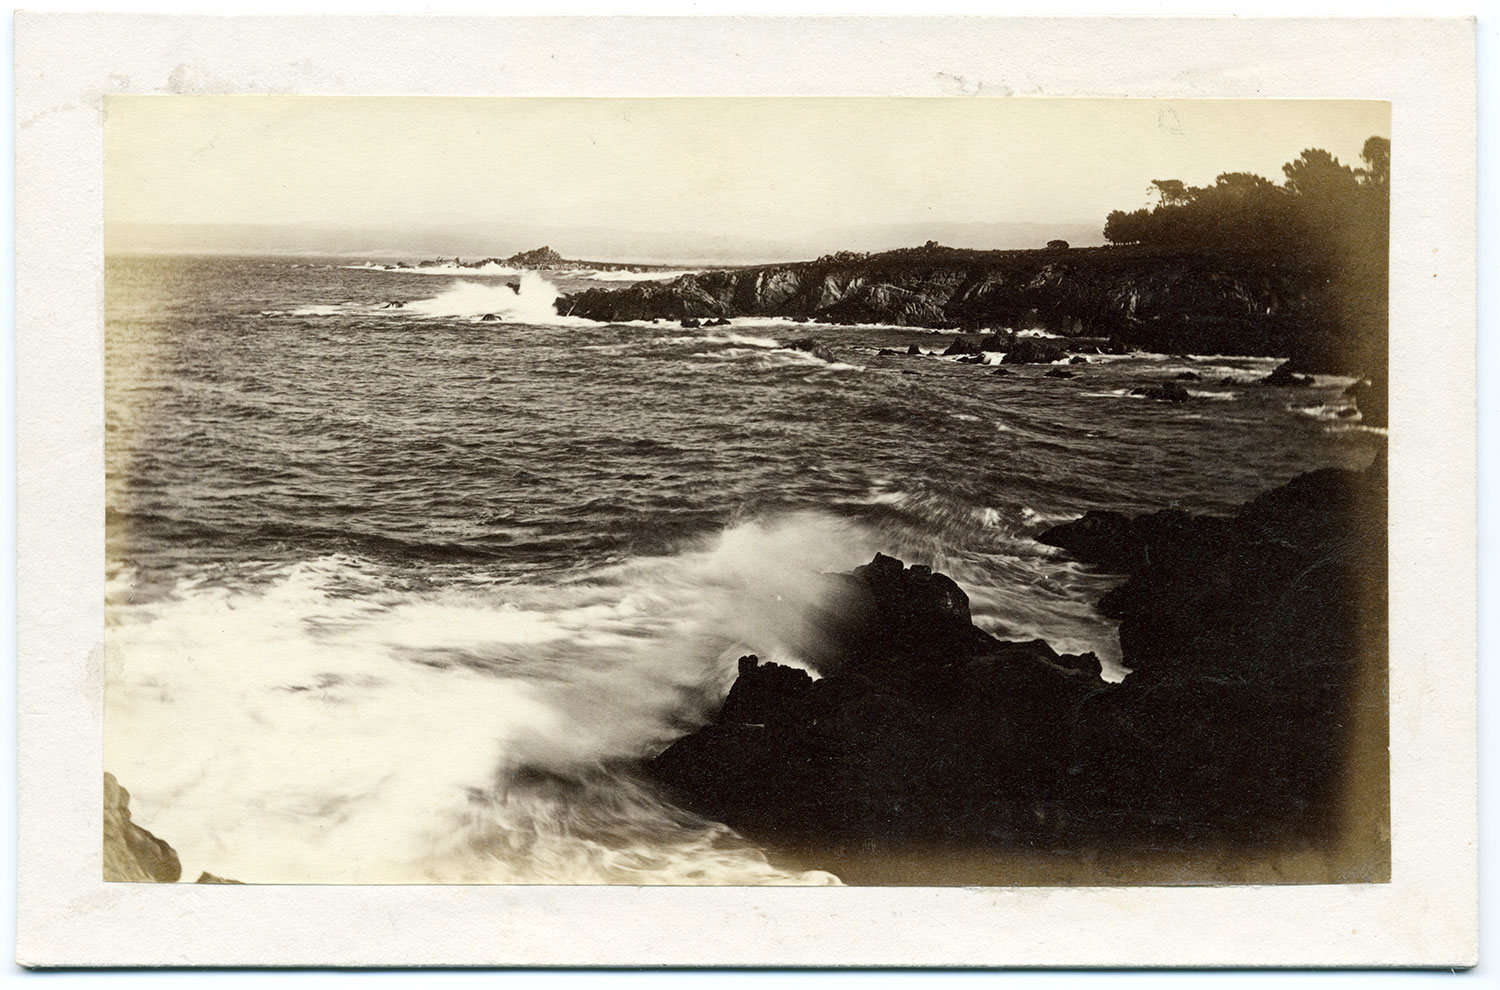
{"x": 730, "y": 491}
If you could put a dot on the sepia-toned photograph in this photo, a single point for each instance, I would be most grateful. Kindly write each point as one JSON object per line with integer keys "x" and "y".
{"x": 735, "y": 491}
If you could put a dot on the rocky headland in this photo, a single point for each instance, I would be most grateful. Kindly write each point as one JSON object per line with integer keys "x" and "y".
{"x": 1248, "y": 743}
{"x": 1167, "y": 300}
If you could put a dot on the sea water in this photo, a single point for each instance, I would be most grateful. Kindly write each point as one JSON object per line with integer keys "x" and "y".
{"x": 407, "y": 574}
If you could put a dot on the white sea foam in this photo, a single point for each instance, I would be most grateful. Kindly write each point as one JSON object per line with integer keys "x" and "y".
{"x": 529, "y": 299}
{"x": 330, "y": 727}
{"x": 1213, "y": 396}
{"x": 532, "y": 300}
{"x": 1330, "y": 411}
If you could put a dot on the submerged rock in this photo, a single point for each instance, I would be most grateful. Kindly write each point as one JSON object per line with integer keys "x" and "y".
{"x": 1168, "y": 392}
{"x": 1059, "y": 373}
{"x": 809, "y": 345}
{"x": 130, "y": 852}
{"x": 1283, "y": 377}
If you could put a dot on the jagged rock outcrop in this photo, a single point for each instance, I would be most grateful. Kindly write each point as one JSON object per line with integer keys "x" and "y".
{"x": 1252, "y": 722}
{"x": 1034, "y": 350}
{"x": 979, "y": 344}
{"x": 1154, "y": 299}
{"x": 130, "y": 852}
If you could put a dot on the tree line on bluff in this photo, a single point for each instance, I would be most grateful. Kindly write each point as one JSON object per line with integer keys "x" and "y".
{"x": 1324, "y": 204}
{"x": 1244, "y": 266}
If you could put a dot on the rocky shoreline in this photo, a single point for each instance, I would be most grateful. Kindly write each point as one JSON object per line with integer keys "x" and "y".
{"x": 1247, "y": 744}
{"x": 1163, "y": 300}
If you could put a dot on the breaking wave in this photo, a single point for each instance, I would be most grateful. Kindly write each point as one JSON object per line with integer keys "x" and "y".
{"x": 331, "y": 723}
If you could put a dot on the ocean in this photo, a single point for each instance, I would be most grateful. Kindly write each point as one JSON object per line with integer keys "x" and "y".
{"x": 406, "y": 574}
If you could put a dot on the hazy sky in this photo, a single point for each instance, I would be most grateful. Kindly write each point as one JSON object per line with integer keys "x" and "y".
{"x": 752, "y": 166}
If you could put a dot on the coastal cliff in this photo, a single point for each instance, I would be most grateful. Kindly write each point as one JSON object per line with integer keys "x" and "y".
{"x": 1150, "y": 298}
{"x": 1249, "y": 732}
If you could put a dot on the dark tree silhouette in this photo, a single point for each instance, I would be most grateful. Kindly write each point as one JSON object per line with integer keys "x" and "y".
{"x": 1327, "y": 217}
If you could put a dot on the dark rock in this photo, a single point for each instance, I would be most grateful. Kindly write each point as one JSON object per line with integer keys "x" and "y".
{"x": 887, "y": 352}
{"x": 1117, "y": 543}
{"x": 1284, "y": 377}
{"x": 913, "y": 350}
{"x": 1003, "y": 372}
{"x": 811, "y": 346}
{"x": 1187, "y": 376}
{"x": 1078, "y": 359}
{"x": 764, "y": 692}
{"x": 1369, "y": 394}
{"x": 489, "y": 318}
{"x": 1059, "y": 373}
{"x": 720, "y": 322}
{"x": 1167, "y": 392}
{"x": 691, "y": 324}
{"x": 966, "y": 345}
{"x": 1254, "y": 640}
{"x": 1034, "y": 350}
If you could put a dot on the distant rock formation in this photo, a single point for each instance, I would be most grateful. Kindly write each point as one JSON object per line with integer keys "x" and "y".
{"x": 542, "y": 257}
{"x": 130, "y": 852}
{"x": 537, "y": 259}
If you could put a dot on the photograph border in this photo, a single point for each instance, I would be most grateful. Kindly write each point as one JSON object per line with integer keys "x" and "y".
{"x": 1426, "y": 915}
